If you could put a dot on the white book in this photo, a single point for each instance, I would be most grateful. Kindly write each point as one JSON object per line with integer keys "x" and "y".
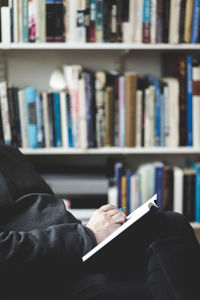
{"x": 174, "y": 21}
{"x": 41, "y": 21}
{"x": 166, "y": 113}
{"x": 112, "y": 195}
{"x": 138, "y": 13}
{"x": 153, "y": 30}
{"x": 23, "y": 118}
{"x": 178, "y": 190}
{"x": 196, "y": 107}
{"x": 122, "y": 112}
{"x": 126, "y": 32}
{"x": 46, "y": 120}
{"x": 5, "y": 113}
{"x": 134, "y": 199}
{"x": 131, "y": 219}
{"x": 131, "y": 19}
{"x": 5, "y": 25}
{"x": 172, "y": 140}
{"x": 72, "y": 30}
{"x": 16, "y": 21}
{"x": 63, "y": 115}
{"x": 83, "y": 140}
{"x": 138, "y": 118}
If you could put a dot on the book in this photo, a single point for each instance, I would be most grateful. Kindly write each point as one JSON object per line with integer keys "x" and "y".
{"x": 131, "y": 91}
{"x": 118, "y": 176}
{"x": 188, "y": 21}
{"x": 109, "y": 117}
{"x": 63, "y": 118}
{"x": 80, "y": 24}
{"x": 189, "y": 98}
{"x": 41, "y": 21}
{"x": 195, "y": 22}
{"x": 131, "y": 219}
{"x": 24, "y": 27}
{"x": 189, "y": 193}
{"x": 32, "y": 20}
{"x": 83, "y": 129}
{"x": 174, "y": 21}
{"x": 40, "y": 120}
{"x": 196, "y": 167}
{"x": 30, "y": 96}
{"x": 196, "y": 105}
{"x": 160, "y": 21}
{"x": 5, "y": 25}
{"x": 93, "y": 8}
{"x": 178, "y": 190}
{"x": 57, "y": 121}
{"x": 99, "y": 21}
{"x": 23, "y": 118}
{"x": 146, "y": 21}
{"x": 5, "y": 113}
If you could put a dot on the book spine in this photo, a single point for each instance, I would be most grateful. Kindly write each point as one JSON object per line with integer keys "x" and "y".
{"x": 25, "y": 37}
{"x": 158, "y": 185}
{"x": 23, "y": 118}
{"x": 83, "y": 141}
{"x": 87, "y": 20}
{"x": 189, "y": 99}
{"x": 92, "y": 21}
{"x": 189, "y": 196}
{"x": 188, "y": 21}
{"x": 5, "y": 114}
{"x": 80, "y": 24}
{"x": 123, "y": 193}
{"x": 160, "y": 21}
{"x": 197, "y": 196}
{"x": 128, "y": 192}
{"x": 69, "y": 121}
{"x": 50, "y": 21}
{"x": 122, "y": 112}
{"x": 195, "y": 22}
{"x": 118, "y": 176}
{"x": 113, "y": 22}
{"x": 119, "y": 20}
{"x": 131, "y": 89}
{"x": 196, "y": 106}
{"x": 46, "y": 120}
{"x": 139, "y": 119}
{"x": 30, "y": 95}
{"x": 51, "y": 120}
{"x": 32, "y": 20}
{"x": 59, "y": 22}
{"x": 109, "y": 117}
{"x": 64, "y": 121}
{"x": 153, "y": 28}
{"x": 138, "y": 23}
{"x": 146, "y": 21}
{"x": 5, "y": 25}
{"x": 12, "y": 115}
{"x": 41, "y": 21}
{"x": 16, "y": 20}
{"x": 40, "y": 121}
{"x": 99, "y": 21}
{"x": 182, "y": 21}
{"x": 71, "y": 24}
{"x": 57, "y": 124}
{"x": 166, "y": 18}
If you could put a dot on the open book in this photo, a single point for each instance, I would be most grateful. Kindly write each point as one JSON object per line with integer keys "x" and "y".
{"x": 132, "y": 218}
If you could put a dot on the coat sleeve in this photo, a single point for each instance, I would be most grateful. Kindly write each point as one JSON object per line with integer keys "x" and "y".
{"x": 58, "y": 245}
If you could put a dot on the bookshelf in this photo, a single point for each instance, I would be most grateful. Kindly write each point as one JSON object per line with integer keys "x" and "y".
{"x": 31, "y": 64}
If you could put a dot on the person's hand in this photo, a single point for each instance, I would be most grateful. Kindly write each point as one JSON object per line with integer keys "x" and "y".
{"x": 105, "y": 220}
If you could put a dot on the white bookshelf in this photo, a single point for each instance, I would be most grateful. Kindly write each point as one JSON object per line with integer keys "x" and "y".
{"x": 98, "y": 46}
{"x": 111, "y": 151}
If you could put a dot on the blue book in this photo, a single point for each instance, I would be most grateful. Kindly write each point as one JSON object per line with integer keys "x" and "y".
{"x": 195, "y": 23}
{"x": 99, "y": 20}
{"x": 196, "y": 167}
{"x": 57, "y": 121}
{"x": 158, "y": 183}
{"x": 69, "y": 121}
{"x": 162, "y": 120}
{"x": 118, "y": 177}
{"x": 189, "y": 98}
{"x": 30, "y": 97}
{"x": 40, "y": 121}
{"x": 155, "y": 82}
{"x": 128, "y": 192}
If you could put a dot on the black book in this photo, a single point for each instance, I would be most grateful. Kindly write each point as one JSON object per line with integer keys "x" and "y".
{"x": 51, "y": 119}
{"x": 59, "y": 22}
{"x": 14, "y": 116}
{"x": 189, "y": 193}
{"x": 166, "y": 10}
{"x": 160, "y": 13}
{"x": 182, "y": 21}
{"x": 106, "y": 14}
{"x": 87, "y": 20}
{"x": 1, "y": 131}
{"x": 168, "y": 189}
{"x": 119, "y": 20}
{"x": 113, "y": 21}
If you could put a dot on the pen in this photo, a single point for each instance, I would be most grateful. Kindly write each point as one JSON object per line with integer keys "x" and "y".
{"x": 122, "y": 208}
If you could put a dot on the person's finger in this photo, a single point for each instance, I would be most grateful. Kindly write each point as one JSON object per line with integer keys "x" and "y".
{"x": 119, "y": 218}
{"x": 107, "y": 207}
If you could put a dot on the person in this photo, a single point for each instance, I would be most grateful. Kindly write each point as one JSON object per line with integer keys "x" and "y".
{"x": 42, "y": 244}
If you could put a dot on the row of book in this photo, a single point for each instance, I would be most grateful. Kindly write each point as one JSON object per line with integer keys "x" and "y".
{"x": 98, "y": 109}
{"x": 177, "y": 188}
{"x": 129, "y": 21}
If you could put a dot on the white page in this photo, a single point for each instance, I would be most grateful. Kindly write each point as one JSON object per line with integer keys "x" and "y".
{"x": 132, "y": 218}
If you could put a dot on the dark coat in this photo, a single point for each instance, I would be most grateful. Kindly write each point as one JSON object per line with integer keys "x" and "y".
{"x": 39, "y": 240}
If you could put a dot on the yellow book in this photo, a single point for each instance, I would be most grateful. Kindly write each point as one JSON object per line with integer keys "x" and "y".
{"x": 123, "y": 193}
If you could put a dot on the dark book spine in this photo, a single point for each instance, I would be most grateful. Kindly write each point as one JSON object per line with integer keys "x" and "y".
{"x": 87, "y": 20}
{"x": 50, "y": 21}
{"x": 159, "y": 32}
{"x": 59, "y": 23}
{"x": 181, "y": 61}
{"x": 146, "y": 25}
{"x": 166, "y": 10}
{"x": 1, "y": 130}
{"x": 168, "y": 189}
{"x": 189, "y": 196}
{"x": 11, "y": 107}
{"x": 69, "y": 121}
{"x": 17, "y": 118}
{"x": 113, "y": 22}
{"x": 92, "y": 21}
{"x": 143, "y": 119}
{"x": 51, "y": 119}
{"x": 119, "y": 20}
{"x": 106, "y": 21}
{"x": 182, "y": 21}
